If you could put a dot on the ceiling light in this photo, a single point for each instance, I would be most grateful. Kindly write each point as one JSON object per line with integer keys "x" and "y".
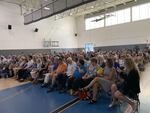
{"x": 46, "y": 8}
{"x": 71, "y": 14}
{"x": 92, "y": 7}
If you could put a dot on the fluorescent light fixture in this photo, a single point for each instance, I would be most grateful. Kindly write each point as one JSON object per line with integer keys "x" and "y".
{"x": 92, "y": 7}
{"x": 46, "y": 8}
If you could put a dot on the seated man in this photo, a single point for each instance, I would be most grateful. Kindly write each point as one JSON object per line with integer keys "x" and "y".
{"x": 59, "y": 73}
{"x": 70, "y": 70}
{"x": 75, "y": 81}
{"x": 71, "y": 67}
{"x": 5, "y": 71}
{"x": 69, "y": 73}
{"x": 25, "y": 72}
{"x": 91, "y": 72}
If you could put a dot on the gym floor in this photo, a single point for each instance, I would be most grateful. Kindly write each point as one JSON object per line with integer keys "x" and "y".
{"x": 28, "y": 98}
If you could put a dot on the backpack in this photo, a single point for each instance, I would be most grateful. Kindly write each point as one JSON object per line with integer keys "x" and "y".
{"x": 82, "y": 95}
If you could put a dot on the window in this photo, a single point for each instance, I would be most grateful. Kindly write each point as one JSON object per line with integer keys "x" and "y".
{"x": 123, "y": 16}
{"x": 141, "y": 12}
{"x": 118, "y": 17}
{"x": 94, "y": 22}
{"x": 89, "y": 47}
{"x": 111, "y": 19}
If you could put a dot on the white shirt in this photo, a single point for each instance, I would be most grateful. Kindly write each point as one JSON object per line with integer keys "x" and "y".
{"x": 121, "y": 63}
{"x": 29, "y": 64}
{"x": 71, "y": 68}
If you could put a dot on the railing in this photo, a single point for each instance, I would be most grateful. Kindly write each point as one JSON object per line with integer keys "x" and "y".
{"x": 56, "y": 7}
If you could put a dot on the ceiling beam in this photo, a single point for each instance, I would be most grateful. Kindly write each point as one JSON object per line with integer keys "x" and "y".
{"x": 10, "y": 2}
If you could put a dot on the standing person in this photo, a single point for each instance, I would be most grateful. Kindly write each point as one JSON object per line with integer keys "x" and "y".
{"x": 131, "y": 86}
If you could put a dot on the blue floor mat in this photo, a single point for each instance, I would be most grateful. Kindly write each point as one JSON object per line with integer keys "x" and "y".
{"x": 100, "y": 107}
{"x": 7, "y": 92}
{"x": 33, "y": 100}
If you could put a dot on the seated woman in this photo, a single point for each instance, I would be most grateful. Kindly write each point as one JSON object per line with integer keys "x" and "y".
{"x": 37, "y": 63}
{"x": 100, "y": 61}
{"x": 91, "y": 72}
{"x": 131, "y": 87}
{"x": 120, "y": 84}
{"x": 121, "y": 62}
{"x": 105, "y": 81}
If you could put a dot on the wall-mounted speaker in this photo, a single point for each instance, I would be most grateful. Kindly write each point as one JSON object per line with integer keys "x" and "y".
{"x": 36, "y": 30}
{"x": 75, "y": 34}
{"x": 9, "y": 27}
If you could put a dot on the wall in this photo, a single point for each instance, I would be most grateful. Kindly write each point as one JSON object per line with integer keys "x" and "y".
{"x": 63, "y": 30}
{"x": 23, "y": 37}
{"x": 123, "y": 34}
{"x": 35, "y": 51}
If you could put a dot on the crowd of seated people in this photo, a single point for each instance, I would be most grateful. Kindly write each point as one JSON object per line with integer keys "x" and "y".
{"x": 110, "y": 71}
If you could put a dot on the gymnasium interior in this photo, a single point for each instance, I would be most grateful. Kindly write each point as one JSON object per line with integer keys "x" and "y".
{"x": 74, "y": 56}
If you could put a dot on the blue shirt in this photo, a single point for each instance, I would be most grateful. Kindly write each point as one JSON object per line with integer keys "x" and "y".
{"x": 77, "y": 73}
